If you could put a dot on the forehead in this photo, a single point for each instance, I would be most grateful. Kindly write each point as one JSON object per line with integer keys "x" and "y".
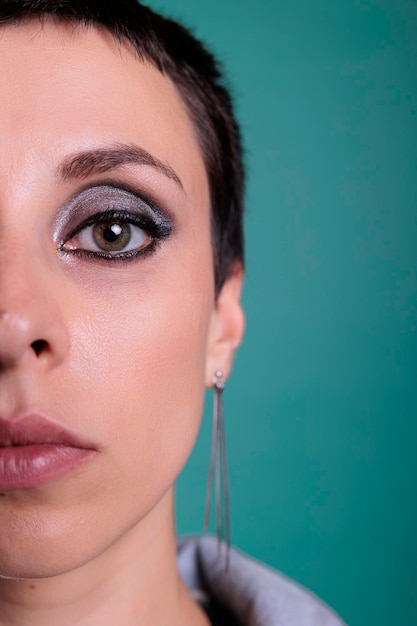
{"x": 67, "y": 88}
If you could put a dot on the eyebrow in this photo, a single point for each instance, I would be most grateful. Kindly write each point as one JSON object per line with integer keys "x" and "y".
{"x": 87, "y": 163}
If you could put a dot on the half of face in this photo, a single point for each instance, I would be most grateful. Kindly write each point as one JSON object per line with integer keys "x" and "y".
{"x": 109, "y": 330}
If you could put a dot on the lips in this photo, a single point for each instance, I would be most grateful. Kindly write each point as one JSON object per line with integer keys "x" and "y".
{"x": 35, "y": 451}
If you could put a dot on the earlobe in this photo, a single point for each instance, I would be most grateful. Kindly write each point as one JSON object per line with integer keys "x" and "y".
{"x": 226, "y": 328}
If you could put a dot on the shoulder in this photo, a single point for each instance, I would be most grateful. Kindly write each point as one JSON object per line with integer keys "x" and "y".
{"x": 254, "y": 593}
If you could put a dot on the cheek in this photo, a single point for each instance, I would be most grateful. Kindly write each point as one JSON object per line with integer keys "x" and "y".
{"x": 143, "y": 358}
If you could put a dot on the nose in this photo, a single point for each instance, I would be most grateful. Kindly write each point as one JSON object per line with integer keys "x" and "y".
{"x": 30, "y": 324}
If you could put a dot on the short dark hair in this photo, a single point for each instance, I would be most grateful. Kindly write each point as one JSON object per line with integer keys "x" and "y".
{"x": 175, "y": 51}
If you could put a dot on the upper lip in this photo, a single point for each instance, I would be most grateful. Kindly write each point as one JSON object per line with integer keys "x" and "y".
{"x": 37, "y": 430}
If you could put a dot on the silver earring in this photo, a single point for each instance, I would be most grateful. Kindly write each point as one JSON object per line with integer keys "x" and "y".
{"x": 218, "y": 469}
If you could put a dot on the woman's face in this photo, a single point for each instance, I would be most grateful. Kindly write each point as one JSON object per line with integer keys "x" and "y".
{"x": 105, "y": 263}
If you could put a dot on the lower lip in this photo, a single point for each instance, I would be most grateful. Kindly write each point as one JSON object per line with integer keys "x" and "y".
{"x": 30, "y": 466}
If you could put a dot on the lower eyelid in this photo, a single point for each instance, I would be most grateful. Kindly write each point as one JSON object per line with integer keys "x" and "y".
{"x": 122, "y": 257}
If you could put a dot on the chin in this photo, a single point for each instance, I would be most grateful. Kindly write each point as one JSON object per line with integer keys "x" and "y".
{"x": 40, "y": 559}
{"x": 35, "y": 546}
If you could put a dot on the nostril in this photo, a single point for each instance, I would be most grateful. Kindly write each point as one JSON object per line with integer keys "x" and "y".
{"x": 39, "y": 346}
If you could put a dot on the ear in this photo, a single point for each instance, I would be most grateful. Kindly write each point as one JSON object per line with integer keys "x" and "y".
{"x": 226, "y": 327}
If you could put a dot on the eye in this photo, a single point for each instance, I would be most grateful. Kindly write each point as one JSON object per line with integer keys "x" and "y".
{"x": 112, "y": 223}
{"x": 109, "y": 237}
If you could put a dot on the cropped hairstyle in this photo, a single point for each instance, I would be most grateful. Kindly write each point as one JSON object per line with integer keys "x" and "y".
{"x": 175, "y": 52}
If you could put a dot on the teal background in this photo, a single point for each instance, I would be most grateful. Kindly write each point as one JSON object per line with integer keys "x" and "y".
{"x": 322, "y": 405}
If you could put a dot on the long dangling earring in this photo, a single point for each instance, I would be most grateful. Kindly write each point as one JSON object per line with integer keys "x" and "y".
{"x": 218, "y": 469}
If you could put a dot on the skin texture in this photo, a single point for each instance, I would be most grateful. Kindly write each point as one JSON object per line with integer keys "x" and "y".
{"x": 128, "y": 347}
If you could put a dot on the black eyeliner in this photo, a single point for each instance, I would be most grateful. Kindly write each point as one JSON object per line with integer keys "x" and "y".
{"x": 157, "y": 230}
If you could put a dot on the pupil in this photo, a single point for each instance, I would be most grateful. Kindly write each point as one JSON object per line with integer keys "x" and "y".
{"x": 112, "y": 233}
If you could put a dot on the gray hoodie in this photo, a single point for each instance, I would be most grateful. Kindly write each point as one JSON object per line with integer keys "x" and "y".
{"x": 255, "y": 594}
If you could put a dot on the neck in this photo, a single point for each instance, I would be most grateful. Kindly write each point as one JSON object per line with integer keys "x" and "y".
{"x": 134, "y": 582}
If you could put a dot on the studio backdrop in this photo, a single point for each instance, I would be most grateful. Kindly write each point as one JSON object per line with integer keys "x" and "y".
{"x": 321, "y": 408}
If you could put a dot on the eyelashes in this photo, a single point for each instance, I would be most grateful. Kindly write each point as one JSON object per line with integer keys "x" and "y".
{"x": 112, "y": 223}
